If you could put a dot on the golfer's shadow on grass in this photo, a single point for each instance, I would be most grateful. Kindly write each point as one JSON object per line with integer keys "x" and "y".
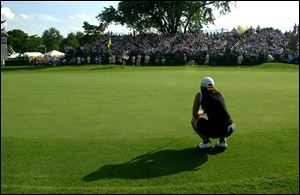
{"x": 154, "y": 164}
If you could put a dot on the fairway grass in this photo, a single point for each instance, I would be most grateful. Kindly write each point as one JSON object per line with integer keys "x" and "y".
{"x": 95, "y": 129}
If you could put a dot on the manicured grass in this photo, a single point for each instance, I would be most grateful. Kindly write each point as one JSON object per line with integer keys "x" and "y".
{"x": 91, "y": 129}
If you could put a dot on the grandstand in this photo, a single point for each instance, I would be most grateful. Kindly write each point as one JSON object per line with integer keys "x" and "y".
{"x": 221, "y": 48}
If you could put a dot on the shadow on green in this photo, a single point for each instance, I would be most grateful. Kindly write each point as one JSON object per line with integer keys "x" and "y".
{"x": 154, "y": 164}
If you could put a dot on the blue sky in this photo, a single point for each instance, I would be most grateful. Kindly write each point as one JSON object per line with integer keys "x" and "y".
{"x": 34, "y": 17}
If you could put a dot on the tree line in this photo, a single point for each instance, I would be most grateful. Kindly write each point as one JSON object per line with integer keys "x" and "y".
{"x": 51, "y": 39}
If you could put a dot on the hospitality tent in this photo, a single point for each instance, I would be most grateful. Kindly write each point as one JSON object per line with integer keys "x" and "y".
{"x": 54, "y": 53}
{"x": 32, "y": 54}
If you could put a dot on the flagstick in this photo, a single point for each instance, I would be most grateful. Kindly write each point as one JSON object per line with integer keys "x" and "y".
{"x": 109, "y": 62}
{"x": 109, "y": 49}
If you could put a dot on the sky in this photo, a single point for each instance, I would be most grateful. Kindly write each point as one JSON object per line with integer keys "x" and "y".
{"x": 34, "y": 17}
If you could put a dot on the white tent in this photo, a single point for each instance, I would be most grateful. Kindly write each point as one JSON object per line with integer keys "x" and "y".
{"x": 15, "y": 55}
{"x": 33, "y": 54}
{"x": 54, "y": 53}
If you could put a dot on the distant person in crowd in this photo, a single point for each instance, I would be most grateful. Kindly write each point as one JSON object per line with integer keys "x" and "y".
{"x": 163, "y": 60}
{"x": 211, "y": 118}
{"x": 99, "y": 59}
{"x": 185, "y": 58}
{"x": 133, "y": 60}
{"x": 270, "y": 58}
{"x": 147, "y": 59}
{"x": 138, "y": 60}
{"x": 156, "y": 59}
{"x": 110, "y": 60}
{"x": 125, "y": 57}
{"x": 206, "y": 62}
{"x": 82, "y": 60}
{"x": 113, "y": 59}
{"x": 240, "y": 59}
{"x": 120, "y": 59}
{"x": 88, "y": 59}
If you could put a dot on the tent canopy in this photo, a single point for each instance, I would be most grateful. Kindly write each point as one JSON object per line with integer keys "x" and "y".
{"x": 54, "y": 53}
{"x": 33, "y": 54}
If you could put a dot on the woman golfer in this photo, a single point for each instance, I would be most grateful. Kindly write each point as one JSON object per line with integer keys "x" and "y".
{"x": 210, "y": 116}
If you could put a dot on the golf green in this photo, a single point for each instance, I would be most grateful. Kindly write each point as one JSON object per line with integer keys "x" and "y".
{"x": 92, "y": 129}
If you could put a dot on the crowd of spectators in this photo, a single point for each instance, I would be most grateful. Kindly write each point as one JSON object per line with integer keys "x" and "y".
{"x": 255, "y": 46}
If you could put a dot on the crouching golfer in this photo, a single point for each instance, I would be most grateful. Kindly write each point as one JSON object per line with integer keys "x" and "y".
{"x": 210, "y": 116}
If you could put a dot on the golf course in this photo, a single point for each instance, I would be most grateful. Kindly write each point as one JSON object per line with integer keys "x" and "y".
{"x": 114, "y": 129}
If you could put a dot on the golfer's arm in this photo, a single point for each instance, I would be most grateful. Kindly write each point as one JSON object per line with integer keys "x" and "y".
{"x": 196, "y": 106}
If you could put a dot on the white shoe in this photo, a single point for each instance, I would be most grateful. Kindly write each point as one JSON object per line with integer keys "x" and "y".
{"x": 205, "y": 146}
{"x": 222, "y": 144}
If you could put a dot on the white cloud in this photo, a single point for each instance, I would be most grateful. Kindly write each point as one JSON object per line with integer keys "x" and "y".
{"x": 25, "y": 30}
{"x": 26, "y": 17}
{"x": 76, "y": 29}
{"x": 6, "y": 13}
{"x": 4, "y": 25}
{"x": 47, "y": 18}
{"x": 118, "y": 29}
{"x": 84, "y": 17}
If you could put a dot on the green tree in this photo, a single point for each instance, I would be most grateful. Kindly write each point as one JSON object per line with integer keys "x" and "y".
{"x": 70, "y": 41}
{"x": 164, "y": 16}
{"x": 91, "y": 32}
{"x": 33, "y": 43}
{"x": 52, "y": 39}
{"x": 17, "y": 39}
{"x": 79, "y": 37}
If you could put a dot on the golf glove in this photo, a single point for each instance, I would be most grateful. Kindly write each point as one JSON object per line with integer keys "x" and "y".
{"x": 231, "y": 128}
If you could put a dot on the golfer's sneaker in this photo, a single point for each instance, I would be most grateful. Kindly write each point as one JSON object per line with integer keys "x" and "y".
{"x": 222, "y": 144}
{"x": 205, "y": 146}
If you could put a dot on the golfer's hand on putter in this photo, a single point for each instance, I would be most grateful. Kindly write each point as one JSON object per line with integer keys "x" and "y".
{"x": 231, "y": 127}
{"x": 200, "y": 112}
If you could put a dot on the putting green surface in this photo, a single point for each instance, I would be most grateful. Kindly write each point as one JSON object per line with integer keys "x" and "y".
{"x": 92, "y": 129}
